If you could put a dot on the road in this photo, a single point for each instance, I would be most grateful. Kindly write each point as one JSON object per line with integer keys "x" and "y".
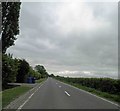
{"x": 53, "y": 94}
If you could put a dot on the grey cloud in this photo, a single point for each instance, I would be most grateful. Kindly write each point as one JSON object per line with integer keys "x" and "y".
{"x": 43, "y": 41}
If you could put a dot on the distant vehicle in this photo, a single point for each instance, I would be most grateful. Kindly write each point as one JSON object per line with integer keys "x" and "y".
{"x": 31, "y": 79}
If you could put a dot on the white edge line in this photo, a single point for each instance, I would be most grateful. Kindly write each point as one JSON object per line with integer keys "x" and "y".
{"x": 26, "y": 101}
{"x": 31, "y": 95}
{"x": 67, "y": 93}
{"x": 91, "y": 94}
{"x": 29, "y": 98}
{"x": 23, "y": 104}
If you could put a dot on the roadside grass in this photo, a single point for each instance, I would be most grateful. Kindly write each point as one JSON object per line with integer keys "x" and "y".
{"x": 40, "y": 80}
{"x": 111, "y": 97}
{"x": 9, "y": 95}
{"x": 0, "y": 101}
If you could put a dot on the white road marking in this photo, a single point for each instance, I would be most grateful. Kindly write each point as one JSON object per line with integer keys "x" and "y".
{"x": 56, "y": 83}
{"x": 67, "y": 93}
{"x": 59, "y": 86}
{"x": 91, "y": 94}
{"x": 22, "y": 105}
{"x": 31, "y": 95}
{"x": 28, "y": 99}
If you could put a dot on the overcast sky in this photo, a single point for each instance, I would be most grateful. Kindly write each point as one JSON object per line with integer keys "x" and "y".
{"x": 69, "y": 39}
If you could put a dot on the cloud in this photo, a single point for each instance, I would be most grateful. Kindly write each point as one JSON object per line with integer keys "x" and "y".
{"x": 88, "y": 74}
{"x": 69, "y": 37}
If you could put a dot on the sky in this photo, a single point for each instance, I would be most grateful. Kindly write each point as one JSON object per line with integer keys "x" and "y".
{"x": 76, "y": 39}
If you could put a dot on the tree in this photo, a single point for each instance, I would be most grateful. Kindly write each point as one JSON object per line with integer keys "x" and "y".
{"x": 23, "y": 70}
{"x": 9, "y": 69}
{"x": 41, "y": 70}
{"x": 51, "y": 75}
{"x": 10, "y": 23}
{"x": 34, "y": 73}
{"x": 10, "y": 28}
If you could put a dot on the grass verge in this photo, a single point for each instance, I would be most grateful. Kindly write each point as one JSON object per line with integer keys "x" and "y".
{"x": 0, "y": 101}
{"x": 11, "y": 94}
{"x": 111, "y": 97}
{"x": 40, "y": 80}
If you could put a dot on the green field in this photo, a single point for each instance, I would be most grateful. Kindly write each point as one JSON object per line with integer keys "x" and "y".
{"x": 111, "y": 97}
{"x": 11, "y": 94}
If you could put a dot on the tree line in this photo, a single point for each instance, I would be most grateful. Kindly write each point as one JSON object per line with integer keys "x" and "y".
{"x": 102, "y": 84}
{"x": 18, "y": 70}
{"x": 14, "y": 69}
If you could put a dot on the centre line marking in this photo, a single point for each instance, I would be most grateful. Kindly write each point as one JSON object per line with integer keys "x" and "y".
{"x": 67, "y": 93}
{"x": 59, "y": 86}
{"x": 56, "y": 83}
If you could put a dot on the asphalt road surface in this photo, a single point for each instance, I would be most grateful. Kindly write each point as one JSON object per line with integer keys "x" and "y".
{"x": 53, "y": 94}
